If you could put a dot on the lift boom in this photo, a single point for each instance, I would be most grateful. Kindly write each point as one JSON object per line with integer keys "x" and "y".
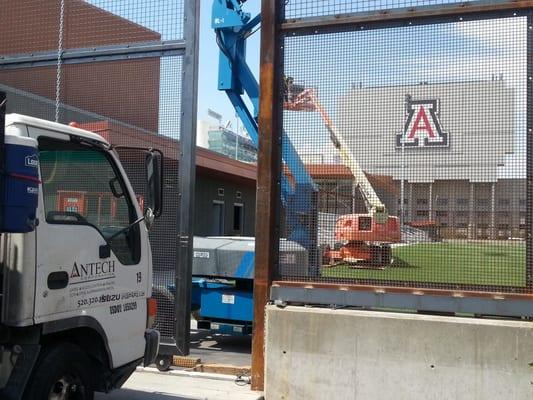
{"x": 363, "y": 237}
{"x": 299, "y": 195}
{"x": 307, "y": 100}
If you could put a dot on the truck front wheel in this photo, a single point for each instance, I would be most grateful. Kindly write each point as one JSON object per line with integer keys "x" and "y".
{"x": 62, "y": 372}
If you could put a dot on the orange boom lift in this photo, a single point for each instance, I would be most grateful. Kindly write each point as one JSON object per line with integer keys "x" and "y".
{"x": 363, "y": 238}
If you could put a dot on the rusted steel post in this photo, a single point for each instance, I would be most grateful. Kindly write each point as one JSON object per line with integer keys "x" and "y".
{"x": 266, "y": 243}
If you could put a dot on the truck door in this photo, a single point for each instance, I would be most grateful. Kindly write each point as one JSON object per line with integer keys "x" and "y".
{"x": 88, "y": 262}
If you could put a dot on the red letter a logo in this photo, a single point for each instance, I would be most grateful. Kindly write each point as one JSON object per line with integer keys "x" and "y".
{"x": 421, "y": 124}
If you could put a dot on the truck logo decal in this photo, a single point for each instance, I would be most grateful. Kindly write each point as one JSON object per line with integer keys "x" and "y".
{"x": 422, "y": 126}
{"x": 94, "y": 271}
{"x": 31, "y": 161}
{"x": 201, "y": 254}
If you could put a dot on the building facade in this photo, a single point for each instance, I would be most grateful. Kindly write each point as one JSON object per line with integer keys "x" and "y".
{"x": 223, "y": 140}
{"x": 454, "y": 153}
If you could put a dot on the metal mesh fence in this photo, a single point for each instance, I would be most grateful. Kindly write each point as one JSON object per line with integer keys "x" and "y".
{"x": 129, "y": 92}
{"x": 34, "y": 26}
{"x": 421, "y": 129}
{"x": 319, "y": 8}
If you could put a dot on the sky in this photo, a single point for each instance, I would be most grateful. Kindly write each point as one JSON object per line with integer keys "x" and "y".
{"x": 165, "y": 17}
{"x": 332, "y": 63}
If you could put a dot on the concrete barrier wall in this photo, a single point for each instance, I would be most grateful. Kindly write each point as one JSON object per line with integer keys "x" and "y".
{"x": 325, "y": 354}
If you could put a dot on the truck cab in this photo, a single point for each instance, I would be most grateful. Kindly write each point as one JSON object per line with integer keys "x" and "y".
{"x": 75, "y": 291}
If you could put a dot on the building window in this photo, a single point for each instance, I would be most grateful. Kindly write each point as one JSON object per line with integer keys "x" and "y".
{"x": 442, "y": 201}
{"x": 405, "y": 201}
{"x": 422, "y": 213}
{"x": 238, "y": 217}
{"x": 461, "y": 214}
{"x": 442, "y": 214}
{"x": 238, "y": 195}
{"x": 221, "y": 192}
{"x": 462, "y": 201}
{"x": 482, "y": 202}
{"x": 482, "y": 215}
{"x": 421, "y": 202}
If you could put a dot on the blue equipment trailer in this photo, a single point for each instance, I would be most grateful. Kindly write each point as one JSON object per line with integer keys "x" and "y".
{"x": 222, "y": 283}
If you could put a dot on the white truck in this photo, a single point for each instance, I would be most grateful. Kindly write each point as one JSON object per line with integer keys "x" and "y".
{"x": 75, "y": 281}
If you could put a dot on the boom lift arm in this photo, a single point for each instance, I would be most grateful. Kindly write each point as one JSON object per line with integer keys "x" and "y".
{"x": 365, "y": 237}
{"x": 307, "y": 100}
{"x": 299, "y": 195}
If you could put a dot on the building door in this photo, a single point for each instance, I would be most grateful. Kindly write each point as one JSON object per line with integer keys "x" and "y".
{"x": 218, "y": 218}
{"x": 238, "y": 218}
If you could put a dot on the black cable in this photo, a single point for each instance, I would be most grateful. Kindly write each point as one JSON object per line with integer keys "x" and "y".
{"x": 220, "y": 43}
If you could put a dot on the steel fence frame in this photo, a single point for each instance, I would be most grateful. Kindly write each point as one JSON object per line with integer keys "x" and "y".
{"x": 268, "y": 287}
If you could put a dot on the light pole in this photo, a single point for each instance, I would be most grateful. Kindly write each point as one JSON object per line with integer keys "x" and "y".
{"x": 237, "y": 140}
{"x": 402, "y": 179}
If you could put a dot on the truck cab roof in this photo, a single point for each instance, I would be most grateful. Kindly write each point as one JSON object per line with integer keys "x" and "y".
{"x": 12, "y": 119}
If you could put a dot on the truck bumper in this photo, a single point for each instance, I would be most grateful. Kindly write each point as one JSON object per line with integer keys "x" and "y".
{"x": 152, "y": 346}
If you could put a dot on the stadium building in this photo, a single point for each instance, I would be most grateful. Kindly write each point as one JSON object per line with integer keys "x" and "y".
{"x": 449, "y": 150}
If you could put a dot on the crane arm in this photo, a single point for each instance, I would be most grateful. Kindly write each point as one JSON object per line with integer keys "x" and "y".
{"x": 307, "y": 100}
{"x": 299, "y": 193}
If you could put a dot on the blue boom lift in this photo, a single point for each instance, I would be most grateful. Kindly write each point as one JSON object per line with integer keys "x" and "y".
{"x": 223, "y": 268}
{"x": 233, "y": 27}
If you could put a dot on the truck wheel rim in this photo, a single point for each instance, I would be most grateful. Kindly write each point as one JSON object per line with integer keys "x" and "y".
{"x": 65, "y": 388}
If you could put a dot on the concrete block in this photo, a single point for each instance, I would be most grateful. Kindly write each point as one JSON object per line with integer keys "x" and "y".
{"x": 313, "y": 353}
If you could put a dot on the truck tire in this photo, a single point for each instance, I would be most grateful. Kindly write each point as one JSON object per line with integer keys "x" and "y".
{"x": 62, "y": 372}
{"x": 376, "y": 256}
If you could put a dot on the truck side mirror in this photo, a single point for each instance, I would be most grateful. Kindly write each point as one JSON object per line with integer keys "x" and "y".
{"x": 154, "y": 176}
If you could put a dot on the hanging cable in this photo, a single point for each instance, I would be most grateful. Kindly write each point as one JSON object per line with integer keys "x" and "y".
{"x": 59, "y": 57}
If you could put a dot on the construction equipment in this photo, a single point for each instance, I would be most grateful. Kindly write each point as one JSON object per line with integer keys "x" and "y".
{"x": 361, "y": 237}
{"x": 364, "y": 237}
{"x": 299, "y": 195}
{"x": 223, "y": 267}
{"x": 75, "y": 272}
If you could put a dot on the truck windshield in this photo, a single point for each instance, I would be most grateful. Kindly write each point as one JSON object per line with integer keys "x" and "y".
{"x": 82, "y": 187}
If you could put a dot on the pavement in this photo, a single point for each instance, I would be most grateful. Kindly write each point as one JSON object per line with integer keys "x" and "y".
{"x": 213, "y": 348}
{"x": 150, "y": 384}
{"x": 179, "y": 384}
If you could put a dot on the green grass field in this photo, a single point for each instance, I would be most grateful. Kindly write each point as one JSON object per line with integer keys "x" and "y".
{"x": 501, "y": 264}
